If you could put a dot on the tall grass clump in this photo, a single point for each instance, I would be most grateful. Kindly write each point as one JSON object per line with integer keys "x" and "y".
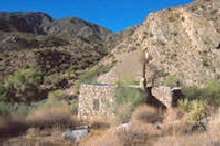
{"x": 196, "y": 109}
{"x": 51, "y": 114}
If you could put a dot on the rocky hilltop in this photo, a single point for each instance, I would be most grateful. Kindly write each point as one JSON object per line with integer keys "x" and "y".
{"x": 41, "y": 23}
{"x": 24, "y": 22}
{"x": 184, "y": 42}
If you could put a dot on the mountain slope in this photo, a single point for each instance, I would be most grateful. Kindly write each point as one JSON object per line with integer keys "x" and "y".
{"x": 54, "y": 46}
{"x": 184, "y": 42}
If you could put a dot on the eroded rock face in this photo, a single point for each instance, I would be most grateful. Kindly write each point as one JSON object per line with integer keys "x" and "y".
{"x": 24, "y": 22}
{"x": 182, "y": 41}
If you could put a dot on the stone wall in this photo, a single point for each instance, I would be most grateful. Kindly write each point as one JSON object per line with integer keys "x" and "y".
{"x": 167, "y": 95}
{"x": 96, "y": 101}
{"x": 163, "y": 94}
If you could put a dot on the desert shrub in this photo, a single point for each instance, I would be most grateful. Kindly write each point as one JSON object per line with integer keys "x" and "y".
{"x": 56, "y": 81}
{"x": 71, "y": 73}
{"x": 170, "y": 81}
{"x": 211, "y": 93}
{"x": 51, "y": 114}
{"x": 3, "y": 93}
{"x": 19, "y": 85}
{"x": 192, "y": 93}
{"x": 198, "y": 110}
{"x": 90, "y": 76}
{"x": 126, "y": 95}
{"x": 21, "y": 110}
{"x": 146, "y": 114}
{"x": 23, "y": 78}
{"x": 4, "y": 109}
{"x": 184, "y": 105}
{"x": 74, "y": 106}
{"x": 9, "y": 109}
{"x": 126, "y": 100}
{"x": 58, "y": 94}
{"x": 195, "y": 109}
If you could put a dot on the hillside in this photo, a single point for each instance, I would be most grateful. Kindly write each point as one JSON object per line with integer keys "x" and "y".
{"x": 70, "y": 82}
{"x": 56, "y": 47}
{"x": 184, "y": 43}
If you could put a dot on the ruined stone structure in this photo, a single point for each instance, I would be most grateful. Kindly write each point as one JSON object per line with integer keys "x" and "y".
{"x": 167, "y": 95}
{"x": 98, "y": 100}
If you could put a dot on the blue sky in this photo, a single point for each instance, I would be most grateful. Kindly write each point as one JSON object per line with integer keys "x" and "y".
{"x": 113, "y": 14}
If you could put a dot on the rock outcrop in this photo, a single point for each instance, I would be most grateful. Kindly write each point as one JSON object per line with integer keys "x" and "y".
{"x": 24, "y": 22}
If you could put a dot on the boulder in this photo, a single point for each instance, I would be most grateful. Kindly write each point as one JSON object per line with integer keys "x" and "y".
{"x": 75, "y": 135}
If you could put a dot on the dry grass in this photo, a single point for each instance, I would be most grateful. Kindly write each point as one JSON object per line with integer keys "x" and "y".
{"x": 143, "y": 131}
{"x": 139, "y": 135}
{"x": 188, "y": 140}
{"x": 175, "y": 123}
{"x": 211, "y": 137}
{"x": 99, "y": 124}
{"x": 52, "y": 117}
{"x": 146, "y": 114}
{"x": 12, "y": 126}
{"x": 42, "y": 141}
{"x": 102, "y": 138}
{"x": 49, "y": 115}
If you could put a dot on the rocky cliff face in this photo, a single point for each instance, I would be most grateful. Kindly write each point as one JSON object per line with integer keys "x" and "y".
{"x": 183, "y": 42}
{"x": 41, "y": 23}
{"x": 24, "y": 22}
{"x": 29, "y": 30}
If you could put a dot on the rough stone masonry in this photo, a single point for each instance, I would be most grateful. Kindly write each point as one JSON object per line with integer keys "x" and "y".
{"x": 97, "y": 100}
